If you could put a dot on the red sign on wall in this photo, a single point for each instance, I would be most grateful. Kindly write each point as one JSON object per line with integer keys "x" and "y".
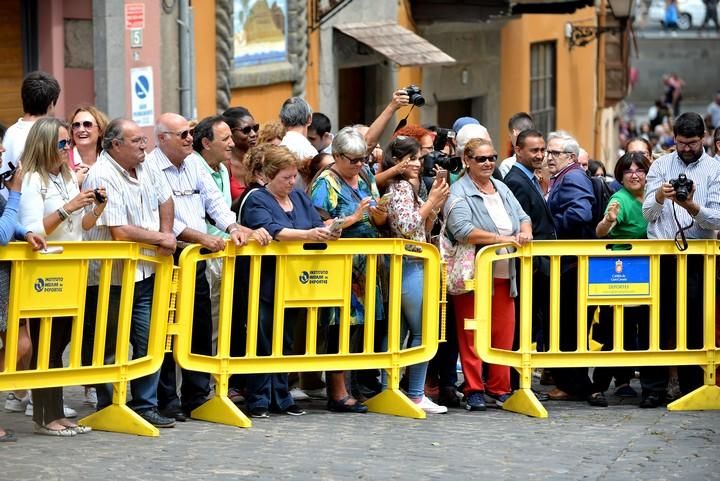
{"x": 134, "y": 15}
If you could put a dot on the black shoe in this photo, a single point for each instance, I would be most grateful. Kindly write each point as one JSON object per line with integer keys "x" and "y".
{"x": 541, "y": 396}
{"x": 475, "y": 401}
{"x": 294, "y": 410}
{"x": 450, "y": 397}
{"x": 156, "y": 419}
{"x": 342, "y": 406}
{"x": 653, "y": 400}
{"x": 259, "y": 412}
{"x": 597, "y": 399}
{"x": 175, "y": 413}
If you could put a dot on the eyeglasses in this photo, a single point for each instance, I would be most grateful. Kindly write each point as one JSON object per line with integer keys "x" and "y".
{"x": 182, "y": 193}
{"x": 136, "y": 140}
{"x": 246, "y": 130}
{"x": 85, "y": 123}
{"x": 556, "y": 153}
{"x": 481, "y": 159}
{"x": 691, "y": 145}
{"x": 638, "y": 172}
{"x": 183, "y": 135}
{"x": 63, "y": 144}
{"x": 356, "y": 160}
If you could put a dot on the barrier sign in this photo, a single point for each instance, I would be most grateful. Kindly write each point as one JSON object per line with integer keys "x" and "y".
{"x": 141, "y": 93}
{"x": 619, "y": 276}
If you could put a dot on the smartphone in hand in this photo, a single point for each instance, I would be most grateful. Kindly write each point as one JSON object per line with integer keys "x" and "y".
{"x": 442, "y": 174}
{"x": 384, "y": 200}
{"x": 336, "y": 225}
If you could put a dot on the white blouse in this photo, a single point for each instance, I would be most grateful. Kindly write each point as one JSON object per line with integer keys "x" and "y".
{"x": 40, "y": 199}
{"x": 496, "y": 209}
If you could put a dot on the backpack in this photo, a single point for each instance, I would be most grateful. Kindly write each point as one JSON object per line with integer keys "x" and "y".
{"x": 602, "y": 194}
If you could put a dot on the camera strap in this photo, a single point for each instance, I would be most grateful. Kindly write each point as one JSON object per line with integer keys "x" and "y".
{"x": 403, "y": 121}
{"x": 680, "y": 239}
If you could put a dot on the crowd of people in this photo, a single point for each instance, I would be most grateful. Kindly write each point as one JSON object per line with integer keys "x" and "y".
{"x": 226, "y": 179}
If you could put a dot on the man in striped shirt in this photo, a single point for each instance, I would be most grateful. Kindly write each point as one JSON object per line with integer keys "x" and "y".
{"x": 196, "y": 197}
{"x": 139, "y": 208}
{"x": 673, "y": 216}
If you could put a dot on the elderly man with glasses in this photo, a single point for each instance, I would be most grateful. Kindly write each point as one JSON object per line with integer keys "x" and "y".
{"x": 571, "y": 201}
{"x": 196, "y": 197}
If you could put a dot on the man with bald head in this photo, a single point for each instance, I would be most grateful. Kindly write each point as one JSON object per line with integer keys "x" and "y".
{"x": 583, "y": 159}
{"x": 196, "y": 197}
{"x": 140, "y": 209}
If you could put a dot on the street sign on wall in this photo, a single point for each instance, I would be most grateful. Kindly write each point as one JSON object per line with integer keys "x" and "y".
{"x": 141, "y": 93}
{"x": 134, "y": 15}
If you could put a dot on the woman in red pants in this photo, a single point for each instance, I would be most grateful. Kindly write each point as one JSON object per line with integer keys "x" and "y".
{"x": 486, "y": 213}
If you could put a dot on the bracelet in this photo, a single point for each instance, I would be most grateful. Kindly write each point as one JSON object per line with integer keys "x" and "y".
{"x": 92, "y": 211}
{"x": 233, "y": 229}
{"x": 63, "y": 214}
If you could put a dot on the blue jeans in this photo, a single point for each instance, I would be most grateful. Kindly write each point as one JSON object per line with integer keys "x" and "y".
{"x": 266, "y": 390}
{"x": 411, "y": 311}
{"x": 144, "y": 389}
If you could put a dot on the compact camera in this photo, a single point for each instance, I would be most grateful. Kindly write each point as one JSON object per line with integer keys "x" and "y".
{"x": 683, "y": 186}
{"x": 99, "y": 197}
{"x": 415, "y": 94}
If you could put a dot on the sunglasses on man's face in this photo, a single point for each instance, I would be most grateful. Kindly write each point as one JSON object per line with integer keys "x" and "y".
{"x": 248, "y": 128}
{"x": 183, "y": 134}
{"x": 85, "y": 124}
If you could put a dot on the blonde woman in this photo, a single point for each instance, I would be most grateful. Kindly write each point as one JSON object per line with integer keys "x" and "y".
{"x": 53, "y": 207}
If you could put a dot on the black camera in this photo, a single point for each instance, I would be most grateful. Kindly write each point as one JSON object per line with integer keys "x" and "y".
{"x": 7, "y": 175}
{"x": 443, "y": 161}
{"x": 99, "y": 197}
{"x": 442, "y": 137}
{"x": 415, "y": 95}
{"x": 683, "y": 186}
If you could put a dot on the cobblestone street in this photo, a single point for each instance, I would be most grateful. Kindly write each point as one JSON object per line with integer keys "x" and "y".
{"x": 577, "y": 442}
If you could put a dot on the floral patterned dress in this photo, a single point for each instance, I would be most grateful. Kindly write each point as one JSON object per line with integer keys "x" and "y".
{"x": 335, "y": 198}
{"x": 404, "y": 213}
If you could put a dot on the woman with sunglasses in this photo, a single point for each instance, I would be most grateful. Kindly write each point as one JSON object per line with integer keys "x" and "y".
{"x": 412, "y": 218}
{"x": 483, "y": 211}
{"x": 53, "y": 207}
{"x": 347, "y": 190}
{"x": 244, "y": 135}
{"x": 623, "y": 220}
{"x": 88, "y": 126}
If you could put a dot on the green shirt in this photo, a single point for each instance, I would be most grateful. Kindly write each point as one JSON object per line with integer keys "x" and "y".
{"x": 222, "y": 180}
{"x": 630, "y": 221}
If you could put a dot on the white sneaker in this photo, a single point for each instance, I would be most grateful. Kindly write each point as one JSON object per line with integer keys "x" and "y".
{"x": 298, "y": 394}
{"x": 68, "y": 411}
{"x": 430, "y": 407}
{"x": 14, "y": 404}
{"x": 316, "y": 393}
{"x": 90, "y": 396}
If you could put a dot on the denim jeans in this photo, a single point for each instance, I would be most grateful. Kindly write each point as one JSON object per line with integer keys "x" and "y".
{"x": 268, "y": 390}
{"x": 411, "y": 311}
{"x": 144, "y": 389}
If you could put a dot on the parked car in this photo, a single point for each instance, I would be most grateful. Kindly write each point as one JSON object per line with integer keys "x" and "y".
{"x": 691, "y": 13}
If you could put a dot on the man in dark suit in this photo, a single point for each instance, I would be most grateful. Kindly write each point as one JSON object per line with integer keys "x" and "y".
{"x": 521, "y": 179}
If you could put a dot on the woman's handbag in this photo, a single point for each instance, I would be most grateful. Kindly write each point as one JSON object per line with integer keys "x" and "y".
{"x": 459, "y": 258}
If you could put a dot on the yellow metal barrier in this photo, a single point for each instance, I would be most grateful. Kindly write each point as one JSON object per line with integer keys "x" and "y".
{"x": 48, "y": 286}
{"x": 625, "y": 292}
{"x": 311, "y": 279}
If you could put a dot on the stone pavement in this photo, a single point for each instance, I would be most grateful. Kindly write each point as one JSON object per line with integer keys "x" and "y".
{"x": 577, "y": 442}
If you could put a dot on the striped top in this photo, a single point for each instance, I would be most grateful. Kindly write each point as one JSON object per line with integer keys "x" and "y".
{"x": 705, "y": 174}
{"x": 130, "y": 201}
{"x": 194, "y": 192}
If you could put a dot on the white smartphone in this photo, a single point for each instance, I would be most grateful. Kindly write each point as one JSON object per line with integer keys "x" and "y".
{"x": 337, "y": 225}
{"x": 385, "y": 200}
{"x": 52, "y": 250}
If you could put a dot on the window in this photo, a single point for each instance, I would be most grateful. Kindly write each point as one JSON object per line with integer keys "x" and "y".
{"x": 542, "y": 85}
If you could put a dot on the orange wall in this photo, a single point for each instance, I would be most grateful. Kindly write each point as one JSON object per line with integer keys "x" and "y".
{"x": 205, "y": 66}
{"x": 263, "y": 102}
{"x": 408, "y": 75}
{"x": 312, "y": 75}
{"x": 575, "y": 72}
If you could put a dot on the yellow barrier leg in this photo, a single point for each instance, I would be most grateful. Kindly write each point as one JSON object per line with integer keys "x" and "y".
{"x": 119, "y": 418}
{"x": 704, "y": 398}
{"x": 523, "y": 400}
{"x": 393, "y": 401}
{"x": 221, "y": 409}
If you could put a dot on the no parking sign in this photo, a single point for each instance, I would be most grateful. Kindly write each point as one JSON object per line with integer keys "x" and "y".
{"x": 141, "y": 92}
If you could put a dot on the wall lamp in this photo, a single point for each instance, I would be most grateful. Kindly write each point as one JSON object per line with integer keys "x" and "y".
{"x": 579, "y": 36}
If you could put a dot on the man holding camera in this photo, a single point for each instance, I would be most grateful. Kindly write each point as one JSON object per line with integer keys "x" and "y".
{"x": 682, "y": 201}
